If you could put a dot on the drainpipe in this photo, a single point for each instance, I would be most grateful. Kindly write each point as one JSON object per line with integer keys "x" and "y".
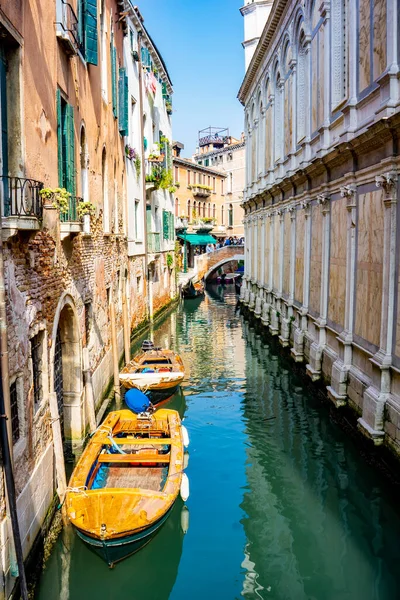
{"x": 6, "y": 436}
{"x": 145, "y": 240}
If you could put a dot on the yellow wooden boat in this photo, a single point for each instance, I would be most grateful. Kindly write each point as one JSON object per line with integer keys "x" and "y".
{"x": 127, "y": 480}
{"x": 155, "y": 371}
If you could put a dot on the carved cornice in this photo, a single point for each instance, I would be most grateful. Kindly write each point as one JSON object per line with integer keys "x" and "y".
{"x": 348, "y": 191}
{"x": 306, "y": 204}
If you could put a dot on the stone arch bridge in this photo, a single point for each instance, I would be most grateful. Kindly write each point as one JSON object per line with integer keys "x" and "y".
{"x": 206, "y": 264}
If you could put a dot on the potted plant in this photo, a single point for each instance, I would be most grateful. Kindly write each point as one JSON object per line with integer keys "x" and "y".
{"x": 155, "y": 157}
{"x": 84, "y": 210}
{"x": 135, "y": 55}
{"x": 59, "y": 198}
{"x": 168, "y": 108}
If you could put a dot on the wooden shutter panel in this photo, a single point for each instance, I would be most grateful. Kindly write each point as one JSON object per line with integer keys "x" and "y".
{"x": 70, "y": 149}
{"x": 165, "y": 224}
{"x": 59, "y": 140}
{"x": 123, "y": 102}
{"x": 90, "y": 20}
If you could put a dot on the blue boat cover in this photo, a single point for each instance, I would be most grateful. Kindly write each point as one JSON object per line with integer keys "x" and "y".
{"x": 136, "y": 401}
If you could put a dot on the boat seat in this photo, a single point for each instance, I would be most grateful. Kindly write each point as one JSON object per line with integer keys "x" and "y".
{"x": 134, "y": 458}
{"x": 144, "y": 441}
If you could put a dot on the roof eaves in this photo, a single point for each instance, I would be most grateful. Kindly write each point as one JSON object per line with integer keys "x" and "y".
{"x": 262, "y": 47}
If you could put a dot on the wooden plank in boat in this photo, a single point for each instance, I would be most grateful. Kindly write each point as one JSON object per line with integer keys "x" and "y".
{"x": 133, "y": 458}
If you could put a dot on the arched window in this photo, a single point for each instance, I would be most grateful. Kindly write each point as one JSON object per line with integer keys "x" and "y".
{"x": 301, "y": 89}
{"x": 188, "y": 210}
{"x": 230, "y": 215}
{"x": 84, "y": 164}
{"x": 204, "y": 209}
{"x": 253, "y": 144}
{"x": 104, "y": 190}
{"x": 176, "y": 207}
{"x": 214, "y": 215}
{"x": 222, "y": 215}
{"x": 279, "y": 123}
{"x": 209, "y": 209}
{"x": 268, "y": 127}
{"x": 194, "y": 209}
{"x": 338, "y": 53}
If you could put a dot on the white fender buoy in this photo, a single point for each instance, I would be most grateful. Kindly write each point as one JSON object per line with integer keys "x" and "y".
{"x": 185, "y": 436}
{"x": 185, "y": 519}
{"x": 185, "y": 460}
{"x": 184, "y": 487}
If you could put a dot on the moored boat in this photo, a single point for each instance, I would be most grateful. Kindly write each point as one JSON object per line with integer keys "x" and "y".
{"x": 126, "y": 481}
{"x": 193, "y": 290}
{"x": 156, "y": 372}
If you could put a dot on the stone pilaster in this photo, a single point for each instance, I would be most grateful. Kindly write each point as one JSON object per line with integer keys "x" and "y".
{"x": 286, "y": 321}
{"x": 337, "y": 391}
{"x": 298, "y": 337}
{"x": 265, "y": 316}
{"x": 376, "y": 395}
{"x": 276, "y": 311}
{"x": 314, "y": 368}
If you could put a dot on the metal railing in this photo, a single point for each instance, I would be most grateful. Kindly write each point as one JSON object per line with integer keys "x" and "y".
{"x": 21, "y": 197}
{"x": 71, "y": 215}
{"x": 153, "y": 242}
{"x": 198, "y": 191}
{"x": 67, "y": 24}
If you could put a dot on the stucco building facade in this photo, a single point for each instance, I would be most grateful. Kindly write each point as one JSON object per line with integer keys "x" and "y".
{"x": 76, "y": 284}
{"x": 321, "y": 98}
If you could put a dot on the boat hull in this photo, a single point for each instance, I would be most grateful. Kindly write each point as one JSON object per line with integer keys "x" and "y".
{"x": 114, "y": 550}
{"x": 159, "y": 395}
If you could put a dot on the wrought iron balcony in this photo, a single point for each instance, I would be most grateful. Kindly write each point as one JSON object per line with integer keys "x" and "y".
{"x": 21, "y": 197}
{"x": 71, "y": 216}
{"x": 67, "y": 27}
{"x": 153, "y": 242}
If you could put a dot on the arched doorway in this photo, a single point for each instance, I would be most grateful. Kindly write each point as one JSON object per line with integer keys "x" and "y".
{"x": 67, "y": 381}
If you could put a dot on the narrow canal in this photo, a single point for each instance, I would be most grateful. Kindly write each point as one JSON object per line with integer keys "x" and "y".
{"x": 282, "y": 506}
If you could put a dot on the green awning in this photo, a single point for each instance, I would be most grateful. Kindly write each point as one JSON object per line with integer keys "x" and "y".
{"x": 198, "y": 239}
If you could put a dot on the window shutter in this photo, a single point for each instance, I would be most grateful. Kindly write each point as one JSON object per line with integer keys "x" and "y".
{"x": 165, "y": 224}
{"x": 148, "y": 218}
{"x": 123, "y": 102}
{"x": 164, "y": 90}
{"x": 59, "y": 139}
{"x": 90, "y": 21}
{"x": 70, "y": 149}
{"x": 171, "y": 226}
{"x": 114, "y": 79}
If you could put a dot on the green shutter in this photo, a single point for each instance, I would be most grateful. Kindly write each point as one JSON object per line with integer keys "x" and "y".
{"x": 70, "y": 149}
{"x": 165, "y": 224}
{"x": 90, "y": 21}
{"x": 148, "y": 217}
{"x": 114, "y": 79}
{"x": 164, "y": 90}
{"x": 123, "y": 102}
{"x": 59, "y": 140}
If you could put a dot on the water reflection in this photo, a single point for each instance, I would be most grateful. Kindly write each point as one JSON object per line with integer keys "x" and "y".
{"x": 316, "y": 515}
{"x": 282, "y": 506}
{"x": 74, "y": 572}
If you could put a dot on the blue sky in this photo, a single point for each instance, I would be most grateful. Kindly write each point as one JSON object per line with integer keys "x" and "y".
{"x": 200, "y": 42}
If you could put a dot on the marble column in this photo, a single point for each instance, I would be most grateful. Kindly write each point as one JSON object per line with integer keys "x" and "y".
{"x": 314, "y": 368}
{"x": 298, "y": 337}
{"x": 253, "y": 260}
{"x": 337, "y": 391}
{"x": 375, "y": 396}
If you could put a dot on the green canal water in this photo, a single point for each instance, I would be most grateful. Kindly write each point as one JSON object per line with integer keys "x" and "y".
{"x": 282, "y": 505}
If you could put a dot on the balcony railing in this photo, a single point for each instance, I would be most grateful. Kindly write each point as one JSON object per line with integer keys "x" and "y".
{"x": 153, "y": 242}
{"x": 71, "y": 216}
{"x": 21, "y": 197}
{"x": 67, "y": 27}
{"x": 201, "y": 192}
